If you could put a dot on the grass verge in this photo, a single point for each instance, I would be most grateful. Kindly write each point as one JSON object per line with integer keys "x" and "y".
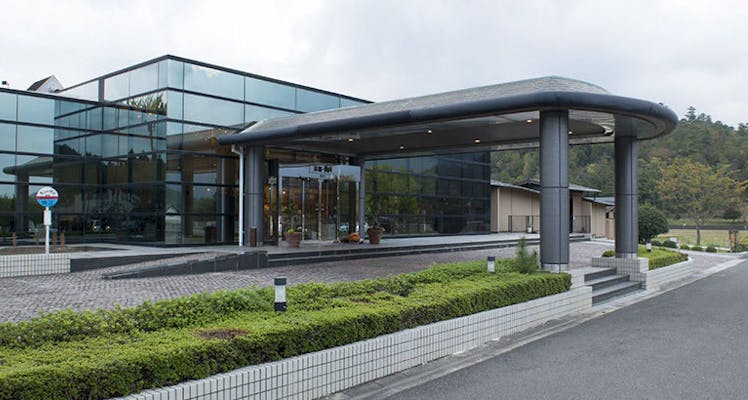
{"x": 96, "y": 355}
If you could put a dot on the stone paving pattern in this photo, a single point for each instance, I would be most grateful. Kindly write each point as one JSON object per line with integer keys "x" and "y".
{"x": 23, "y": 298}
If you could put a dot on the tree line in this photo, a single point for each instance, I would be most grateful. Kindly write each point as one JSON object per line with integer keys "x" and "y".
{"x": 697, "y": 172}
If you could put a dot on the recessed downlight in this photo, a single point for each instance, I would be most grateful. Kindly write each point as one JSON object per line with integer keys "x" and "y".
{"x": 529, "y": 121}
{"x": 428, "y": 132}
{"x": 402, "y": 147}
{"x": 476, "y": 140}
{"x": 571, "y": 132}
{"x": 350, "y": 139}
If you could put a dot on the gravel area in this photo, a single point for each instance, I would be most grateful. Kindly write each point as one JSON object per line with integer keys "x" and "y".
{"x": 23, "y": 298}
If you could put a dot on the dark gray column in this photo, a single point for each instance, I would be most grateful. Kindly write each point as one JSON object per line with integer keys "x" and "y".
{"x": 627, "y": 211}
{"x": 361, "y": 196}
{"x": 254, "y": 185}
{"x": 554, "y": 190}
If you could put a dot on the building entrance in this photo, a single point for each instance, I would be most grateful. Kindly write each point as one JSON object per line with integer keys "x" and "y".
{"x": 318, "y": 200}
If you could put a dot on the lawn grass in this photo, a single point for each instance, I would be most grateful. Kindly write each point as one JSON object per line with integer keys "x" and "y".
{"x": 717, "y": 238}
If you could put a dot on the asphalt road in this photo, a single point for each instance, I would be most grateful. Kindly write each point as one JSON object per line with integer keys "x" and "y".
{"x": 689, "y": 343}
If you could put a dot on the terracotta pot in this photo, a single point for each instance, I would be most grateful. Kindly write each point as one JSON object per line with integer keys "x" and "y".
{"x": 375, "y": 235}
{"x": 293, "y": 239}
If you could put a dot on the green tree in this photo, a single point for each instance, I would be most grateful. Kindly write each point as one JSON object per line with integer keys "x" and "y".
{"x": 652, "y": 222}
{"x": 697, "y": 191}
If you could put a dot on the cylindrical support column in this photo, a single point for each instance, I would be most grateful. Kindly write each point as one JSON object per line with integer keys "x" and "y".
{"x": 627, "y": 210}
{"x": 361, "y": 197}
{"x": 554, "y": 190}
{"x": 255, "y": 188}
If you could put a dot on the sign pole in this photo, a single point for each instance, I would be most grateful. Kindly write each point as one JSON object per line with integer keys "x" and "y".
{"x": 47, "y": 223}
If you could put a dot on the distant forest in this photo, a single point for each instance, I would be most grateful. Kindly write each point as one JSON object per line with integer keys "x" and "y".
{"x": 697, "y": 138}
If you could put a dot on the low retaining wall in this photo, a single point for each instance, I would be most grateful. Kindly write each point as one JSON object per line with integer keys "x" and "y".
{"x": 34, "y": 264}
{"x": 638, "y": 270}
{"x": 671, "y": 273}
{"x": 318, "y": 374}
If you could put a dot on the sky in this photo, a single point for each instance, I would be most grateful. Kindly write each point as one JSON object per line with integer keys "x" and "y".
{"x": 679, "y": 52}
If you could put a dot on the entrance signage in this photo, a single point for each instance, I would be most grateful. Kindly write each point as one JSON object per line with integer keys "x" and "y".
{"x": 47, "y": 196}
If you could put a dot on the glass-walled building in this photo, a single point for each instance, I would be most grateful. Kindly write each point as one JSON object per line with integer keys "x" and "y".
{"x": 135, "y": 158}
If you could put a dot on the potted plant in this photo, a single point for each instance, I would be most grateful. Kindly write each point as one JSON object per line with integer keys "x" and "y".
{"x": 293, "y": 238}
{"x": 375, "y": 233}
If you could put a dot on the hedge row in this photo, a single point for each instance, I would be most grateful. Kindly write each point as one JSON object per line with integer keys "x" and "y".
{"x": 658, "y": 257}
{"x": 320, "y": 316}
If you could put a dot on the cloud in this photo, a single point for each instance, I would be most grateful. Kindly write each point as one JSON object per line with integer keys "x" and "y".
{"x": 679, "y": 52}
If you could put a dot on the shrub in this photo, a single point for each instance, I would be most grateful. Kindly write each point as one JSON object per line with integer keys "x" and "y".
{"x": 609, "y": 253}
{"x": 711, "y": 249}
{"x": 697, "y": 248}
{"x": 656, "y": 243}
{"x": 659, "y": 258}
{"x": 670, "y": 244}
{"x": 524, "y": 262}
{"x": 684, "y": 247}
{"x": 103, "y": 365}
{"x": 652, "y": 222}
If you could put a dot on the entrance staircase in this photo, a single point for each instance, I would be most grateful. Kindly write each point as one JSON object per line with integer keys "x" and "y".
{"x": 606, "y": 284}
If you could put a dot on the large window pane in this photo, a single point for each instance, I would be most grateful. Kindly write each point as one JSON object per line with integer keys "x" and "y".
{"x": 33, "y": 139}
{"x": 176, "y": 74}
{"x": 8, "y": 137}
{"x": 7, "y": 164}
{"x": 308, "y": 101}
{"x": 350, "y": 103}
{"x": 174, "y": 100}
{"x": 213, "y": 111}
{"x": 212, "y": 81}
{"x": 257, "y": 113}
{"x": 117, "y": 87}
{"x": 8, "y": 106}
{"x": 144, "y": 79}
{"x": 89, "y": 91}
{"x": 270, "y": 93}
{"x": 36, "y": 109}
{"x": 37, "y": 168}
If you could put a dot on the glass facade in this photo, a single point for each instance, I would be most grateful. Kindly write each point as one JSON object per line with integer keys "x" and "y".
{"x": 430, "y": 195}
{"x": 135, "y": 158}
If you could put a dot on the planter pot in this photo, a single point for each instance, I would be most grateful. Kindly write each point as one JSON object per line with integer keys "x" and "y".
{"x": 375, "y": 235}
{"x": 293, "y": 239}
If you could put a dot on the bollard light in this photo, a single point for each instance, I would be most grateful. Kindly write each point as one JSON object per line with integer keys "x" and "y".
{"x": 649, "y": 246}
{"x": 491, "y": 264}
{"x": 280, "y": 294}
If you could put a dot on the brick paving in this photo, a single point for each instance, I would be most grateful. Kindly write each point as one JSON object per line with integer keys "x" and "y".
{"x": 23, "y": 298}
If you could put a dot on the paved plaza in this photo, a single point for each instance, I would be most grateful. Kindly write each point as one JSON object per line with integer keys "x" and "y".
{"x": 23, "y": 298}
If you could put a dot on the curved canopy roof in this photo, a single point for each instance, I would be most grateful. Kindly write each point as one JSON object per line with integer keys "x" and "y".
{"x": 485, "y": 118}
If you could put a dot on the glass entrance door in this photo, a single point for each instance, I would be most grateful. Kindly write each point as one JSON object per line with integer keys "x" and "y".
{"x": 319, "y": 201}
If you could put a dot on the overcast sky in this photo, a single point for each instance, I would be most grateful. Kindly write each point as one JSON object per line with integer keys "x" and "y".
{"x": 678, "y": 52}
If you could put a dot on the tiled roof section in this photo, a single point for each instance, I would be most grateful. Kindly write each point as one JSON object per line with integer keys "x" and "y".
{"x": 529, "y": 86}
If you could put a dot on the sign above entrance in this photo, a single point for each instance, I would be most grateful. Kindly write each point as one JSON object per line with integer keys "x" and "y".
{"x": 47, "y": 196}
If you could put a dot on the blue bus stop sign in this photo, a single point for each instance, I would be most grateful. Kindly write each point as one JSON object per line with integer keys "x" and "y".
{"x": 47, "y": 196}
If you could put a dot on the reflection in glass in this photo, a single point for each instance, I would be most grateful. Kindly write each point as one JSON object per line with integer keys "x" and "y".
{"x": 34, "y": 139}
{"x": 38, "y": 110}
{"x": 213, "y": 111}
{"x": 143, "y": 79}
{"x": 212, "y": 81}
{"x": 8, "y": 137}
{"x": 8, "y": 106}
{"x": 309, "y": 101}
{"x": 270, "y": 93}
{"x": 117, "y": 87}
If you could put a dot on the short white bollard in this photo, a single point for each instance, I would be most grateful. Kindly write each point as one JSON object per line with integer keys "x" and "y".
{"x": 491, "y": 264}
{"x": 649, "y": 246}
{"x": 280, "y": 294}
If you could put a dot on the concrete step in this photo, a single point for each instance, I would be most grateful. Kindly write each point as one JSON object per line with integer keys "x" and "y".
{"x": 616, "y": 290}
{"x": 590, "y": 276}
{"x": 605, "y": 281}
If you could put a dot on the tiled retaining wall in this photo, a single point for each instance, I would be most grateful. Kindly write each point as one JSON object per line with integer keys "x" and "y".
{"x": 661, "y": 276}
{"x": 638, "y": 270}
{"x": 318, "y": 374}
{"x": 34, "y": 264}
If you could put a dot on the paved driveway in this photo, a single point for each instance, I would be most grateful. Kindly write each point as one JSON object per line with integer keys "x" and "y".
{"x": 689, "y": 343}
{"x": 24, "y": 298}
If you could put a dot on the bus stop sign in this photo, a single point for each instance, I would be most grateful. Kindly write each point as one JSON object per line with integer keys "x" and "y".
{"x": 47, "y": 196}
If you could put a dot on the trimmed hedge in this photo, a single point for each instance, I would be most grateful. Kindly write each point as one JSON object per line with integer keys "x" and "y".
{"x": 235, "y": 329}
{"x": 659, "y": 258}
